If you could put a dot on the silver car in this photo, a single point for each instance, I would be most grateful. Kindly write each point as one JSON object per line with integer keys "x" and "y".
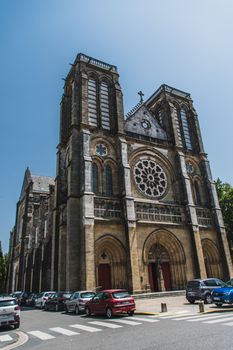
{"x": 9, "y": 312}
{"x": 78, "y": 300}
{"x": 42, "y": 297}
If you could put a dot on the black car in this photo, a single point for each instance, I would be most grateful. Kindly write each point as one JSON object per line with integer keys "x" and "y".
{"x": 57, "y": 301}
{"x": 201, "y": 289}
{"x": 21, "y": 297}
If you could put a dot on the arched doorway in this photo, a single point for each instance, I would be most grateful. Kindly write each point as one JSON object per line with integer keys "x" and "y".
{"x": 211, "y": 258}
{"x": 159, "y": 268}
{"x": 164, "y": 259}
{"x": 110, "y": 263}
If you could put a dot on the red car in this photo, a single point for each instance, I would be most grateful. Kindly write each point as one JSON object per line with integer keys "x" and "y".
{"x": 111, "y": 302}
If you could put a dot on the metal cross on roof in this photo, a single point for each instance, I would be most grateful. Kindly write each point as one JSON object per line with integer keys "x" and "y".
{"x": 140, "y": 93}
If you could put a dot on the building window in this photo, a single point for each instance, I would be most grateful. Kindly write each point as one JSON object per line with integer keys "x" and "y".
{"x": 104, "y": 106}
{"x": 108, "y": 181}
{"x": 95, "y": 178}
{"x": 186, "y": 130}
{"x": 92, "y": 102}
{"x": 197, "y": 193}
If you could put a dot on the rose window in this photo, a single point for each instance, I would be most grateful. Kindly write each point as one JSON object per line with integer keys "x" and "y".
{"x": 150, "y": 178}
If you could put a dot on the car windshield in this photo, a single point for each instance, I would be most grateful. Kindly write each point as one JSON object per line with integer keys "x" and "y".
{"x": 87, "y": 295}
{"x": 40, "y": 295}
{"x": 66, "y": 295}
{"x": 119, "y": 295}
{"x": 16, "y": 294}
{"x": 193, "y": 284}
{"x": 49, "y": 294}
{"x": 7, "y": 303}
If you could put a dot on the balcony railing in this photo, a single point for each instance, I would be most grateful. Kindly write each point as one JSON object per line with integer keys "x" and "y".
{"x": 204, "y": 217}
{"x": 160, "y": 213}
{"x": 107, "y": 208}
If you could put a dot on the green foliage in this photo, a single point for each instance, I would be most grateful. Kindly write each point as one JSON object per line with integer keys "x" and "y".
{"x": 3, "y": 269}
{"x": 225, "y": 196}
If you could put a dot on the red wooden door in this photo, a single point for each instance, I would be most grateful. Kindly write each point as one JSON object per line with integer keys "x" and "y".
{"x": 104, "y": 276}
{"x": 165, "y": 266}
{"x": 152, "y": 272}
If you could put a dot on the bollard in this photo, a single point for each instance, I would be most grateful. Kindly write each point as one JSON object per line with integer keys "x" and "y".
{"x": 163, "y": 307}
{"x": 201, "y": 306}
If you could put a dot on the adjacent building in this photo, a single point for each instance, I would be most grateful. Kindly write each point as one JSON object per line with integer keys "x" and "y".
{"x": 134, "y": 204}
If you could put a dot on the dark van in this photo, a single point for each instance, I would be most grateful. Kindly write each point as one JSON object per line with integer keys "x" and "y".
{"x": 201, "y": 289}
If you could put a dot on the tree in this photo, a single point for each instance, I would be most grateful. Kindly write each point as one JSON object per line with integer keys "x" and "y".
{"x": 3, "y": 269}
{"x": 225, "y": 196}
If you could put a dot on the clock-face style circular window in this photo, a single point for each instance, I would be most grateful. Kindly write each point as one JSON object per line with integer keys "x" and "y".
{"x": 101, "y": 150}
{"x": 150, "y": 178}
{"x": 145, "y": 124}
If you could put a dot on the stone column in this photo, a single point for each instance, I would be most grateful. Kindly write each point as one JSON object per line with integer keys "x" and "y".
{"x": 216, "y": 210}
{"x": 194, "y": 227}
{"x": 87, "y": 208}
{"x": 130, "y": 219}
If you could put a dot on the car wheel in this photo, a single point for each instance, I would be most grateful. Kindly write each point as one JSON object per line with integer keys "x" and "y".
{"x": 88, "y": 311}
{"x": 130, "y": 313}
{"x": 109, "y": 312}
{"x": 208, "y": 299}
{"x": 218, "y": 304}
{"x": 17, "y": 325}
{"x": 76, "y": 311}
{"x": 191, "y": 301}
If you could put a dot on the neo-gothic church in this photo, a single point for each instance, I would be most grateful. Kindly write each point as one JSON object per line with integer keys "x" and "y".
{"x": 135, "y": 205}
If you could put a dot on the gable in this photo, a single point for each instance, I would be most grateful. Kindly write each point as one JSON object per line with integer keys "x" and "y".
{"x": 143, "y": 123}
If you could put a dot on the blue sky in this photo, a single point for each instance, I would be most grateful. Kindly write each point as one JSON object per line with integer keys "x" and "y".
{"x": 185, "y": 44}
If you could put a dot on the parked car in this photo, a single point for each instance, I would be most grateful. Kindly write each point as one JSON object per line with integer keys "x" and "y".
{"x": 110, "y": 303}
{"x": 21, "y": 297}
{"x": 57, "y": 301}
{"x": 201, "y": 289}
{"x": 78, "y": 301}
{"x": 42, "y": 297}
{"x": 9, "y": 312}
{"x": 223, "y": 295}
{"x": 32, "y": 299}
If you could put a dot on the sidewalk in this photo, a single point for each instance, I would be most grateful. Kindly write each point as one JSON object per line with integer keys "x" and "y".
{"x": 175, "y": 304}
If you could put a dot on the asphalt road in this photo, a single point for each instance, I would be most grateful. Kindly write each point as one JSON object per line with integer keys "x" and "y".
{"x": 177, "y": 331}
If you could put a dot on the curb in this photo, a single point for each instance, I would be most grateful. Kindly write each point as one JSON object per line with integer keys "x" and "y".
{"x": 22, "y": 339}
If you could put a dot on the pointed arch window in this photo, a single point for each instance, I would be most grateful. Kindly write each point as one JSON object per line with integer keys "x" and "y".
{"x": 186, "y": 130}
{"x": 104, "y": 105}
{"x": 108, "y": 181}
{"x": 95, "y": 178}
{"x": 197, "y": 193}
{"x": 92, "y": 102}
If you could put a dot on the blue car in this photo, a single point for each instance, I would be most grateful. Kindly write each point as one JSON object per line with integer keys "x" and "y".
{"x": 223, "y": 295}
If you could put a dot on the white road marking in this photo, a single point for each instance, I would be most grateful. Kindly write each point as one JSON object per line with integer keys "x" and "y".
{"x": 144, "y": 319}
{"x": 105, "y": 324}
{"x": 130, "y": 323}
{"x": 41, "y": 335}
{"x": 228, "y": 324}
{"x": 175, "y": 314}
{"x": 220, "y": 320}
{"x": 63, "y": 331}
{"x": 86, "y": 328}
{"x": 206, "y": 318}
{"x": 185, "y": 318}
{"x": 5, "y": 337}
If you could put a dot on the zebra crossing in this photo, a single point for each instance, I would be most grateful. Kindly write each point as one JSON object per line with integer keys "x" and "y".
{"x": 99, "y": 325}
{"x": 226, "y": 319}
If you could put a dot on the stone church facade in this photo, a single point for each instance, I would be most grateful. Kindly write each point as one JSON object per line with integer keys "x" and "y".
{"x": 134, "y": 202}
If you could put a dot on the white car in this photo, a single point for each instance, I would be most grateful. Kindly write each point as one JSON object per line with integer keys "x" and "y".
{"x": 78, "y": 300}
{"x": 42, "y": 297}
{"x": 9, "y": 312}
